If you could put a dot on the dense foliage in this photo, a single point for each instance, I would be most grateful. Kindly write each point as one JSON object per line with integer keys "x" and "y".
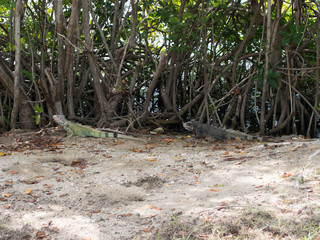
{"x": 242, "y": 64}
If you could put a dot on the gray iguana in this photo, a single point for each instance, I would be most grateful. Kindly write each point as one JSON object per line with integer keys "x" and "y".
{"x": 85, "y": 131}
{"x": 205, "y": 130}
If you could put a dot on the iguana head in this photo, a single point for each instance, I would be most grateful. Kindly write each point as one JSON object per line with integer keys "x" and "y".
{"x": 189, "y": 126}
{"x": 60, "y": 119}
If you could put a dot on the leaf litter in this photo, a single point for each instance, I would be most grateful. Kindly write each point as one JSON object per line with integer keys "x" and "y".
{"x": 85, "y": 188}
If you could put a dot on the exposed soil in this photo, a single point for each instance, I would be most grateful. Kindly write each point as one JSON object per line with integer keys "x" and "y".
{"x": 165, "y": 187}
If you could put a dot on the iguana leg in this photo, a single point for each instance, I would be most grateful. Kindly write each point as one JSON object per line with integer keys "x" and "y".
{"x": 69, "y": 131}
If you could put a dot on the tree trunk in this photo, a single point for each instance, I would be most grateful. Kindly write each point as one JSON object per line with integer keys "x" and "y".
{"x": 96, "y": 82}
{"x": 61, "y": 56}
{"x": 17, "y": 67}
{"x": 5, "y": 79}
{"x": 317, "y": 79}
{"x": 162, "y": 62}
{"x": 69, "y": 63}
{"x": 266, "y": 67}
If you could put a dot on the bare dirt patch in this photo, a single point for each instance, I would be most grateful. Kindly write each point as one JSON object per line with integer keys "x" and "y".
{"x": 168, "y": 187}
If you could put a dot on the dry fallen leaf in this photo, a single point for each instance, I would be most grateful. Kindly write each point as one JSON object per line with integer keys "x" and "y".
{"x": 155, "y": 208}
{"x": 294, "y": 149}
{"x": 214, "y": 190}
{"x": 6, "y": 195}
{"x": 41, "y": 234}
{"x": 285, "y": 175}
{"x": 152, "y": 144}
{"x": 286, "y": 211}
{"x": 136, "y": 150}
{"x": 96, "y": 211}
{"x": 201, "y": 236}
{"x": 222, "y": 206}
{"x": 29, "y": 191}
{"x": 151, "y": 160}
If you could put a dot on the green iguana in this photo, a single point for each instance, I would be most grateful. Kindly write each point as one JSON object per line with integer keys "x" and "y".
{"x": 85, "y": 131}
{"x": 205, "y": 130}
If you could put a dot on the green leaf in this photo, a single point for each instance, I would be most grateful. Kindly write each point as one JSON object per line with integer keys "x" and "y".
{"x": 37, "y": 117}
{"x": 286, "y": 41}
{"x": 28, "y": 74}
{"x": 296, "y": 39}
{"x": 38, "y": 109}
{"x": 284, "y": 33}
{"x": 272, "y": 78}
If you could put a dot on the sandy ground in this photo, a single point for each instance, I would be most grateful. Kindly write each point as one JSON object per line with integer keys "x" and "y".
{"x": 165, "y": 187}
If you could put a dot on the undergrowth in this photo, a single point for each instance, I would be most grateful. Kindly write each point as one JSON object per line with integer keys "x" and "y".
{"x": 248, "y": 224}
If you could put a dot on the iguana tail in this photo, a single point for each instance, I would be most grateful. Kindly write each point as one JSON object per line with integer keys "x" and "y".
{"x": 231, "y": 134}
{"x": 102, "y": 134}
{"x": 118, "y": 135}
